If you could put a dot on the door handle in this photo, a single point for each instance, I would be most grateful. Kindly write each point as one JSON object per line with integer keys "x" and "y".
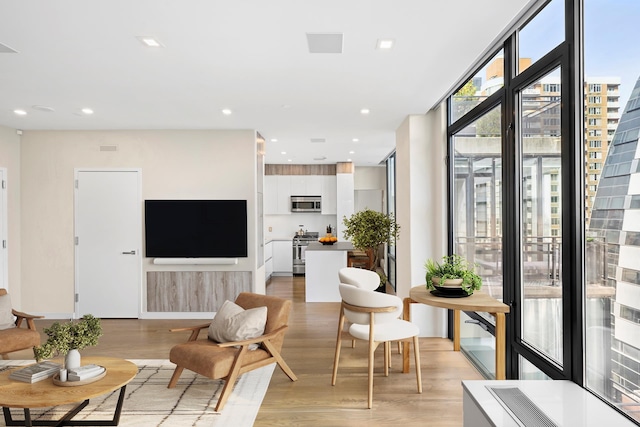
{"x": 129, "y": 253}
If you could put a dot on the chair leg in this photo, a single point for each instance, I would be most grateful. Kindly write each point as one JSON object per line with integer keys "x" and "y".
{"x": 336, "y": 357}
{"x": 416, "y": 352}
{"x": 230, "y": 380}
{"x": 280, "y": 361}
{"x": 387, "y": 358}
{"x": 372, "y": 349}
{"x": 399, "y": 347}
{"x": 174, "y": 378}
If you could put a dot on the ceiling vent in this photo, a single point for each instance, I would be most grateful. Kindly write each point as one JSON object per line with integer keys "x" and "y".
{"x": 6, "y": 49}
{"x": 325, "y": 42}
{"x": 108, "y": 148}
{"x": 318, "y": 140}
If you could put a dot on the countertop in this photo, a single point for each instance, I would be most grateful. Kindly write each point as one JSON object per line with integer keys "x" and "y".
{"x": 338, "y": 246}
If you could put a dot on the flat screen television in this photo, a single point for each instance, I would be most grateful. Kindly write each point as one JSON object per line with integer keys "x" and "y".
{"x": 195, "y": 228}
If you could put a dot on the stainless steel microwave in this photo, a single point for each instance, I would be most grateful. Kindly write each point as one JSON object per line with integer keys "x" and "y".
{"x": 306, "y": 204}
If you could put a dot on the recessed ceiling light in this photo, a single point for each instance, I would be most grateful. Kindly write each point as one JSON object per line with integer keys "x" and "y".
{"x": 149, "y": 41}
{"x": 274, "y": 139}
{"x": 226, "y": 111}
{"x": 20, "y": 112}
{"x": 87, "y": 111}
{"x": 348, "y": 160}
{"x": 385, "y": 44}
{"x": 355, "y": 140}
{"x": 283, "y": 152}
{"x": 289, "y": 160}
{"x": 364, "y": 111}
{"x": 352, "y": 152}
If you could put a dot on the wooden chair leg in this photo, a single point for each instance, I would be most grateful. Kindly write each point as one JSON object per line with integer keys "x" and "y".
{"x": 336, "y": 357}
{"x": 280, "y": 361}
{"x": 416, "y": 352}
{"x": 399, "y": 347}
{"x": 387, "y": 358}
{"x": 372, "y": 349}
{"x": 174, "y": 378}
{"x": 230, "y": 380}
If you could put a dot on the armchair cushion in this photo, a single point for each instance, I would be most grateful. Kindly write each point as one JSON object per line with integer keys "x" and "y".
{"x": 6, "y": 316}
{"x": 234, "y": 323}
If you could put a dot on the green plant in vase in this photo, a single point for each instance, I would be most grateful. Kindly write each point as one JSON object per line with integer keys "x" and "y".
{"x": 453, "y": 267}
{"x": 73, "y": 335}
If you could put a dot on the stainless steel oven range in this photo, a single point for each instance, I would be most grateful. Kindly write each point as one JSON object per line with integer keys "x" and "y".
{"x": 300, "y": 243}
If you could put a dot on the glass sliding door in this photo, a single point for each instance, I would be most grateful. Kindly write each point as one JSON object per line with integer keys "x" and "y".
{"x": 541, "y": 213}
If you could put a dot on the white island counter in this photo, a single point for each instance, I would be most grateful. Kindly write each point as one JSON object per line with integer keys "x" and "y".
{"x": 322, "y": 263}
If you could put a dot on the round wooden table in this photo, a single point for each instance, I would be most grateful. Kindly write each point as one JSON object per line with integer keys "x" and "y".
{"x": 18, "y": 394}
{"x": 478, "y": 301}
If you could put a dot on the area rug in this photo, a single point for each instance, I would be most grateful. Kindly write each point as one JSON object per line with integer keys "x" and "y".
{"x": 149, "y": 402}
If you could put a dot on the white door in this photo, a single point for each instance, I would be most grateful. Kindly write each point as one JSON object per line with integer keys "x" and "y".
{"x": 4, "y": 282}
{"x": 108, "y": 241}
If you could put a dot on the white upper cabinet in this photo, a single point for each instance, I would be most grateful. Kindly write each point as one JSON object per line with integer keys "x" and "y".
{"x": 277, "y": 194}
{"x": 278, "y": 190}
{"x": 306, "y": 185}
{"x": 329, "y": 195}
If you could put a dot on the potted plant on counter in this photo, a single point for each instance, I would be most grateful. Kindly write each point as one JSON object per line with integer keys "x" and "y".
{"x": 68, "y": 338}
{"x": 454, "y": 276}
{"x": 367, "y": 230}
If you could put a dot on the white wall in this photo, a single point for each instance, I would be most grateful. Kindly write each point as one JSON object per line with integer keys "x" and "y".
{"x": 10, "y": 159}
{"x": 175, "y": 164}
{"x": 421, "y": 206}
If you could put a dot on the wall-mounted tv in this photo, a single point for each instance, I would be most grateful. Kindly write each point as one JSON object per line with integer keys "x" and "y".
{"x": 195, "y": 228}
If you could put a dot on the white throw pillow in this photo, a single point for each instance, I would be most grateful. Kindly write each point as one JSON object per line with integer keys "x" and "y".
{"x": 234, "y": 323}
{"x": 7, "y": 320}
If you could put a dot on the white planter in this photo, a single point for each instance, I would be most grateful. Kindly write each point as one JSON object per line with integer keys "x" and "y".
{"x": 72, "y": 360}
{"x": 447, "y": 283}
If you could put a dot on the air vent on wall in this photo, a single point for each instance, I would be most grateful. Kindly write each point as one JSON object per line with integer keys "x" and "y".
{"x": 318, "y": 140}
{"x": 325, "y": 42}
{"x": 108, "y": 148}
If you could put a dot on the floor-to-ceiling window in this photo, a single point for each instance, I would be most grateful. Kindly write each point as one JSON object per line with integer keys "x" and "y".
{"x": 556, "y": 190}
{"x": 612, "y": 177}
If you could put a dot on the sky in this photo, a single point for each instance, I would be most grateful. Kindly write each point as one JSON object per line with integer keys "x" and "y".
{"x": 611, "y": 47}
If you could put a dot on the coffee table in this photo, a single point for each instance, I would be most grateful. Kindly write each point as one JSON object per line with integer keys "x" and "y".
{"x": 17, "y": 394}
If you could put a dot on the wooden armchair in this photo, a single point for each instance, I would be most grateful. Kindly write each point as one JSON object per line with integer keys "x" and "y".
{"x": 16, "y": 337}
{"x": 223, "y": 360}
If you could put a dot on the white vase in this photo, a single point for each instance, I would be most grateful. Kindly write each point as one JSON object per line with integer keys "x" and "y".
{"x": 72, "y": 360}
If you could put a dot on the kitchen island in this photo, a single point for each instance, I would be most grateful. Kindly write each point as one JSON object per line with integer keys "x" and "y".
{"x": 322, "y": 264}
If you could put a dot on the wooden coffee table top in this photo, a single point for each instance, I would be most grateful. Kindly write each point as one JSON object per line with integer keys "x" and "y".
{"x": 18, "y": 394}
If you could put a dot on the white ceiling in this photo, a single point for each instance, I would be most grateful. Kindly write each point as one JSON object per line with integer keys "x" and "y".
{"x": 247, "y": 55}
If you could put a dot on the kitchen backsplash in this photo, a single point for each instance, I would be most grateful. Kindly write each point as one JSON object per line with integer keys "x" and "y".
{"x": 285, "y": 226}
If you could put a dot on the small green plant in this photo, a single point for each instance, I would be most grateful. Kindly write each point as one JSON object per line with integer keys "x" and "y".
{"x": 68, "y": 336}
{"x": 453, "y": 267}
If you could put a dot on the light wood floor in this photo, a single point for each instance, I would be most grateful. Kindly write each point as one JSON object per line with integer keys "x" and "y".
{"x": 308, "y": 349}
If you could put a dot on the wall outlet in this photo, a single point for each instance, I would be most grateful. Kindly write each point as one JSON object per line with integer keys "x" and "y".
{"x": 270, "y": 229}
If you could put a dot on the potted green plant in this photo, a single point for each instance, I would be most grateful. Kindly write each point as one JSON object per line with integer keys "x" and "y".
{"x": 367, "y": 230}
{"x": 452, "y": 268}
{"x": 67, "y": 338}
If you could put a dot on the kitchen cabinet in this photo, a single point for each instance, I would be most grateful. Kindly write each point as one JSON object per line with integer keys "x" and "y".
{"x": 306, "y": 185}
{"x": 329, "y": 195}
{"x": 282, "y": 257}
{"x": 277, "y": 195}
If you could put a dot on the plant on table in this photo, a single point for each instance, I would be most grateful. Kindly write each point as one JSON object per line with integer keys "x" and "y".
{"x": 72, "y": 335}
{"x": 367, "y": 230}
{"x": 453, "y": 267}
